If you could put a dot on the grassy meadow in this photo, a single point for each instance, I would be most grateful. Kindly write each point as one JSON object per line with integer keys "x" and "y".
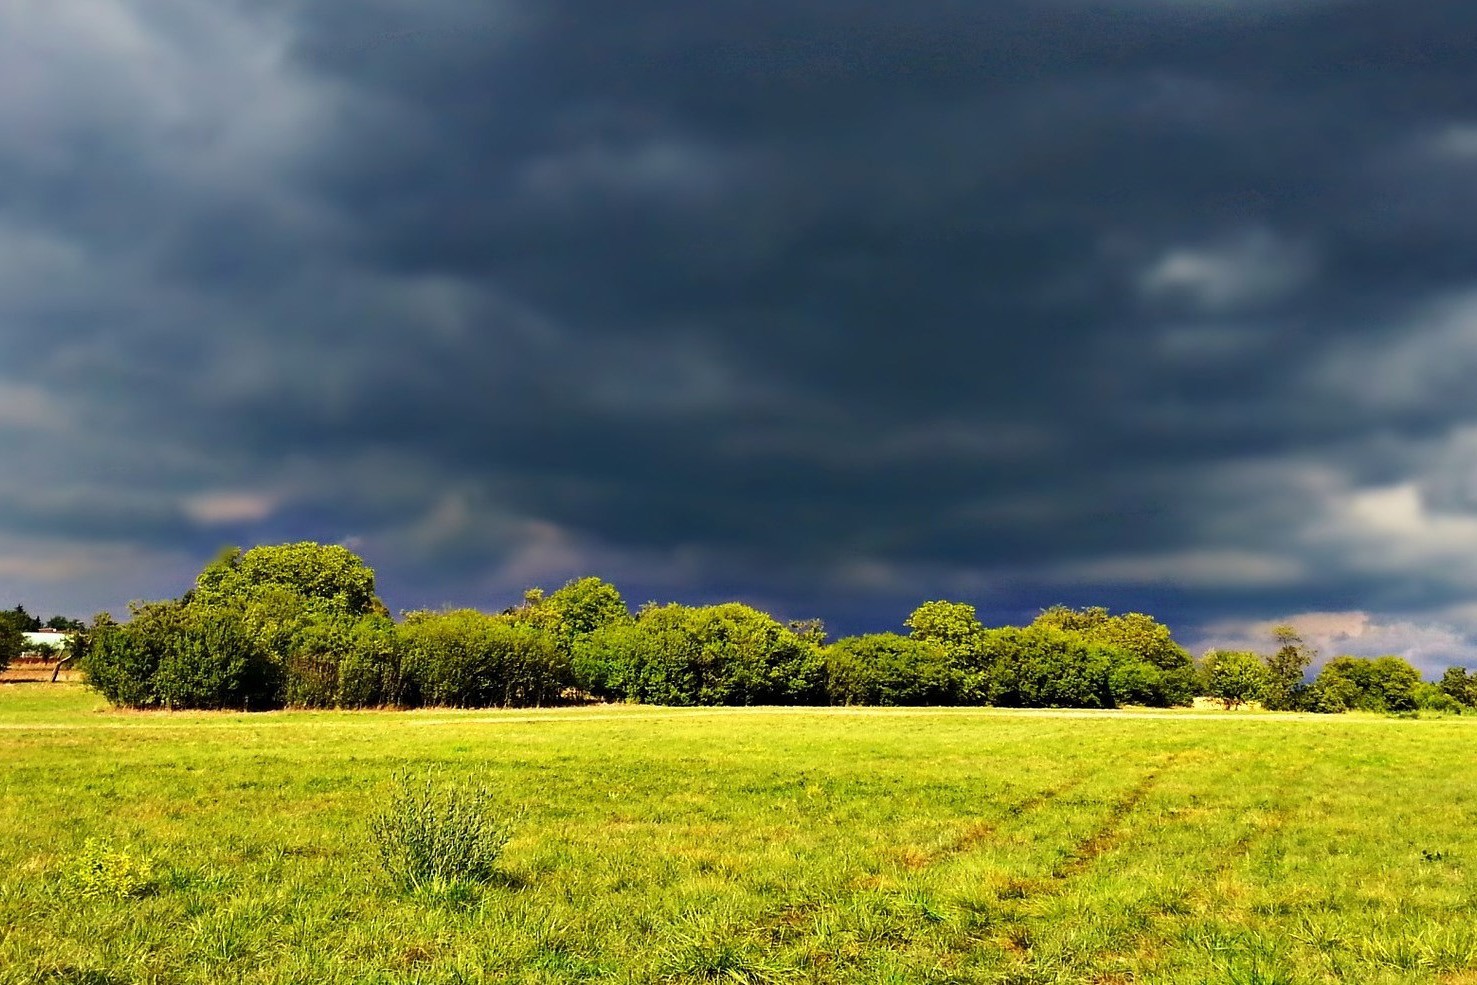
{"x": 747, "y": 845}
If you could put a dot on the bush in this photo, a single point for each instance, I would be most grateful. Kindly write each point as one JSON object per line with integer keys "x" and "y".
{"x": 888, "y": 669}
{"x": 123, "y": 659}
{"x": 210, "y": 661}
{"x": 726, "y": 654}
{"x": 102, "y": 871}
{"x": 467, "y": 659}
{"x": 369, "y": 672}
{"x": 433, "y": 834}
{"x": 1040, "y": 667}
{"x": 173, "y": 655}
{"x": 1233, "y": 677}
{"x": 1431, "y": 697}
{"x": 1134, "y": 682}
{"x": 1362, "y": 684}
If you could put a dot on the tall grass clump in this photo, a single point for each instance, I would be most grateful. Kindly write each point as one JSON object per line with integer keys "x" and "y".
{"x": 434, "y": 834}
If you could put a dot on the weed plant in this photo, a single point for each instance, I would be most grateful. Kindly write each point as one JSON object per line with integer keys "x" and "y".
{"x": 102, "y": 870}
{"x": 436, "y": 834}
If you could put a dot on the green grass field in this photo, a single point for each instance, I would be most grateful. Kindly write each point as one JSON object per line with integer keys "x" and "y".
{"x": 750, "y": 846}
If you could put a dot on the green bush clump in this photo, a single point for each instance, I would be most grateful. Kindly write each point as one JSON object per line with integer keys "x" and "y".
{"x": 888, "y": 669}
{"x": 467, "y": 659}
{"x": 729, "y": 654}
{"x": 180, "y": 655}
{"x": 436, "y": 835}
{"x": 103, "y": 871}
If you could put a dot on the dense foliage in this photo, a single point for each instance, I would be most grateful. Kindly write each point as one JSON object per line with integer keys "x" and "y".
{"x": 11, "y": 642}
{"x": 300, "y": 625}
{"x": 726, "y": 654}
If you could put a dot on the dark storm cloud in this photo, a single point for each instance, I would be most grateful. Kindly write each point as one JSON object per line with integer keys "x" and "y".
{"x": 1158, "y": 303}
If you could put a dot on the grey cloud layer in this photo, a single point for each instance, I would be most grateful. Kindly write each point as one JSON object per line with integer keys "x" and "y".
{"x": 1152, "y": 303}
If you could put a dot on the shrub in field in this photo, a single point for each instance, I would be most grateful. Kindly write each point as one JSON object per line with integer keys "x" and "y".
{"x": 1364, "y": 684}
{"x": 433, "y": 833}
{"x": 726, "y": 654}
{"x": 211, "y": 661}
{"x": 174, "y": 655}
{"x": 888, "y": 669}
{"x": 468, "y": 659}
{"x": 101, "y": 870}
{"x": 123, "y": 659}
{"x": 1232, "y": 677}
{"x": 1040, "y": 667}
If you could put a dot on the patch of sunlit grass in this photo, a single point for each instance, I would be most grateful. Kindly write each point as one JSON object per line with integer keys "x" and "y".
{"x": 820, "y": 846}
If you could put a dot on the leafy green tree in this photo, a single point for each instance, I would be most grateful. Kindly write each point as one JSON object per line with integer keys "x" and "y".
{"x": 330, "y": 579}
{"x": 1147, "y": 639}
{"x": 888, "y": 669}
{"x": 583, "y": 606}
{"x": 64, "y": 624}
{"x": 19, "y": 619}
{"x": 951, "y": 625}
{"x": 1233, "y": 677}
{"x": 1286, "y": 668}
{"x": 1459, "y": 685}
{"x": 12, "y": 641}
{"x": 1363, "y": 684}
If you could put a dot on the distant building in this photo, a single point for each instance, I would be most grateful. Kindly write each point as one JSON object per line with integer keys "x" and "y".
{"x": 45, "y": 637}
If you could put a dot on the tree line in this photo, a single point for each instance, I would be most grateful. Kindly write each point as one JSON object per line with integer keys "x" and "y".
{"x": 300, "y": 625}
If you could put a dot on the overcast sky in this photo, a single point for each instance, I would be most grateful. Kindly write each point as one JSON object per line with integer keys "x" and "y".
{"x": 831, "y": 307}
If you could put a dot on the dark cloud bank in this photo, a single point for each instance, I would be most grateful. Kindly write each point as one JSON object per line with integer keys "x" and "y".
{"x": 832, "y": 307}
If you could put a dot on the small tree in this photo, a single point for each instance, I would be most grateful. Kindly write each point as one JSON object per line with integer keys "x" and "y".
{"x": 1284, "y": 690}
{"x": 583, "y": 606}
{"x": 1459, "y": 685}
{"x": 951, "y": 625}
{"x": 330, "y": 579}
{"x": 1233, "y": 677}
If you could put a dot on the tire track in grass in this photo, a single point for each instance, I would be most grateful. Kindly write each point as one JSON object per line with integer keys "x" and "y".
{"x": 1275, "y": 815}
{"x": 1110, "y": 833}
{"x": 981, "y": 829}
{"x": 793, "y": 920}
{"x": 1016, "y": 938}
